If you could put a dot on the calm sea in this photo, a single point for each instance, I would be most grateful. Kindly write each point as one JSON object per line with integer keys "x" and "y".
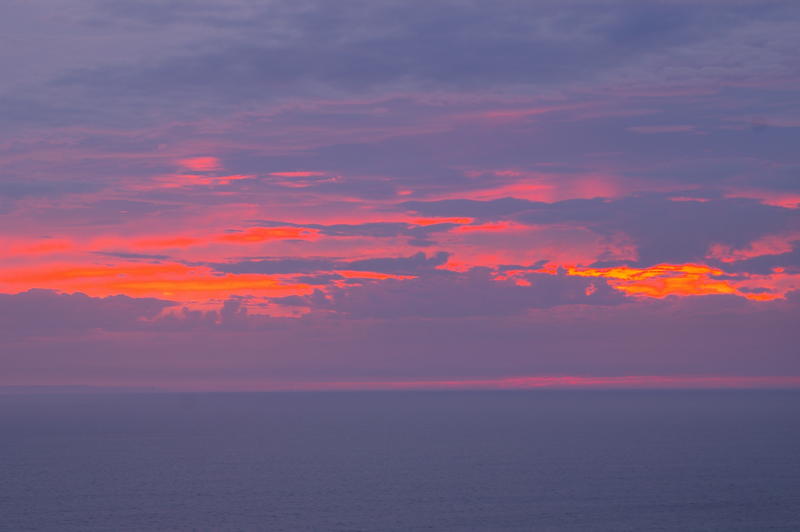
{"x": 402, "y": 461}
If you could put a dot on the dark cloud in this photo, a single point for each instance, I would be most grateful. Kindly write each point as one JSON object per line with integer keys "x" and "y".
{"x": 670, "y": 231}
{"x": 106, "y": 212}
{"x": 443, "y": 43}
{"x": 276, "y": 265}
{"x": 662, "y": 230}
{"x": 705, "y": 335}
{"x": 319, "y": 279}
{"x": 716, "y": 335}
{"x": 415, "y": 264}
{"x": 450, "y": 294}
{"x": 765, "y": 264}
{"x": 412, "y": 265}
{"x": 23, "y": 189}
{"x": 284, "y": 49}
{"x": 133, "y": 256}
{"x": 157, "y": 13}
{"x": 44, "y": 312}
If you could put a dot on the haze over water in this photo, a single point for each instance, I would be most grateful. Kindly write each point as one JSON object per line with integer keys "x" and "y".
{"x": 402, "y": 461}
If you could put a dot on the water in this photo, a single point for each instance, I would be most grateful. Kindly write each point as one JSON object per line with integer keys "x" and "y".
{"x": 402, "y": 461}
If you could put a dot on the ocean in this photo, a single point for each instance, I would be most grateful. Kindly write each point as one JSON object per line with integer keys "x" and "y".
{"x": 551, "y": 460}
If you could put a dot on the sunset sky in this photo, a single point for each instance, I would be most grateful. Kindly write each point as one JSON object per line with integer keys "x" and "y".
{"x": 291, "y": 194}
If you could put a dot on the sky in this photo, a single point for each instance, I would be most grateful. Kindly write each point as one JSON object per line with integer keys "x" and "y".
{"x": 307, "y": 194}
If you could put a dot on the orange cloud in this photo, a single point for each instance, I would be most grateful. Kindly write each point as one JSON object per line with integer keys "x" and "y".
{"x": 173, "y": 281}
{"x": 264, "y": 234}
{"x": 690, "y": 280}
{"x": 662, "y": 280}
{"x": 635, "y": 274}
{"x": 205, "y": 285}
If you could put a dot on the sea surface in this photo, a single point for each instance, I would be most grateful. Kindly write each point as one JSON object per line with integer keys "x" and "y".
{"x": 402, "y": 461}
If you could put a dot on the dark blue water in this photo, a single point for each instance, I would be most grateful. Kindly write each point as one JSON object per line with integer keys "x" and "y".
{"x": 397, "y": 461}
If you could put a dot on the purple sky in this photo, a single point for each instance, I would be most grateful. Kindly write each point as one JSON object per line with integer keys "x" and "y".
{"x": 236, "y": 194}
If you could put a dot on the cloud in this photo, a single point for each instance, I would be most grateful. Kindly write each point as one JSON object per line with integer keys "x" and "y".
{"x": 712, "y": 335}
{"x": 23, "y": 189}
{"x": 450, "y": 294}
{"x": 411, "y": 265}
{"x": 662, "y": 129}
{"x": 663, "y": 231}
{"x": 419, "y": 262}
{"x": 419, "y": 235}
{"x": 276, "y": 265}
{"x": 45, "y": 312}
{"x": 767, "y": 263}
{"x": 267, "y": 52}
{"x": 673, "y": 231}
{"x": 640, "y": 153}
{"x": 481, "y": 209}
{"x": 132, "y": 256}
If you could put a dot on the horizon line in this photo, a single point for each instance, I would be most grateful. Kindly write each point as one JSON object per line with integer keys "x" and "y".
{"x": 546, "y": 382}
